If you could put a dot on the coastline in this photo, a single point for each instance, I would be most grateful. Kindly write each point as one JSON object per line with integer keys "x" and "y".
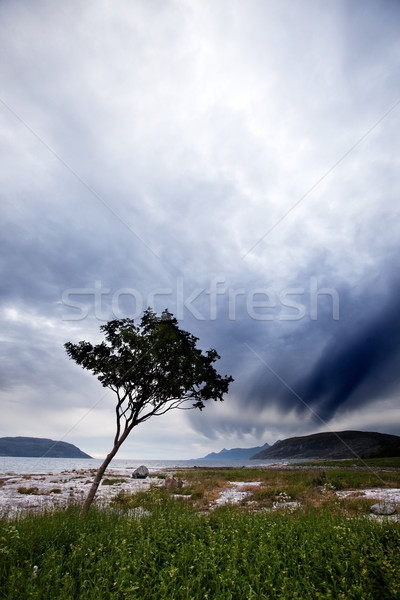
{"x": 35, "y": 492}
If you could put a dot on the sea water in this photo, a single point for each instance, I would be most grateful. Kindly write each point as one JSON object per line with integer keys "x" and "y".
{"x": 18, "y": 465}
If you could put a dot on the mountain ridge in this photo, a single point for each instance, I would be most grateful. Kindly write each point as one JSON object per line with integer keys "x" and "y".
{"x": 341, "y": 444}
{"x": 32, "y": 447}
{"x": 234, "y": 453}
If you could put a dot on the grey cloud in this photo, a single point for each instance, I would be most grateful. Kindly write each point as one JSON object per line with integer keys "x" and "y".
{"x": 201, "y": 128}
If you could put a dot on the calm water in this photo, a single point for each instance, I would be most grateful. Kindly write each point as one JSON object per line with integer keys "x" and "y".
{"x": 56, "y": 465}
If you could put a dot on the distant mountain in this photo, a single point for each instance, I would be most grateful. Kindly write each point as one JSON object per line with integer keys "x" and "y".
{"x": 341, "y": 444}
{"x": 38, "y": 447}
{"x": 234, "y": 453}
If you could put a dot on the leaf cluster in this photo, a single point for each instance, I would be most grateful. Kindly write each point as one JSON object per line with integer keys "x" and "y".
{"x": 152, "y": 367}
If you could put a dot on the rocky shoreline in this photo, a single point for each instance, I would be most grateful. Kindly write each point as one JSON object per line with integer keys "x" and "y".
{"x": 35, "y": 492}
{"x": 40, "y": 490}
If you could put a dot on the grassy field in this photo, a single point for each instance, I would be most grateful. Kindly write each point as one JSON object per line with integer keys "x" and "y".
{"x": 298, "y": 484}
{"x": 373, "y": 463}
{"x": 172, "y": 548}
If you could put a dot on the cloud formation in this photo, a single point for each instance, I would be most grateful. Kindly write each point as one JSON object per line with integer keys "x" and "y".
{"x": 234, "y": 163}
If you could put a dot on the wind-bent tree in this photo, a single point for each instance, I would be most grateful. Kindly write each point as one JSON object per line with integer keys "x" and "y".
{"x": 153, "y": 368}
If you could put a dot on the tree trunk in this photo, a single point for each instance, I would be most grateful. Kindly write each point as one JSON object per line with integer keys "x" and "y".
{"x": 98, "y": 478}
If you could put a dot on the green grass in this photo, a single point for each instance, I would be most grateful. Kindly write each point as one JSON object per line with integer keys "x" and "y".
{"x": 178, "y": 554}
{"x": 153, "y": 545}
{"x": 387, "y": 462}
{"x": 299, "y": 484}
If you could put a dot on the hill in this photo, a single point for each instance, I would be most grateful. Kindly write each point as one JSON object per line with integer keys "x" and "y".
{"x": 39, "y": 447}
{"x": 342, "y": 444}
{"x": 234, "y": 453}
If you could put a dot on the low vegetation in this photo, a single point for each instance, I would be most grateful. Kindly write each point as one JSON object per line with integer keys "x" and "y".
{"x": 374, "y": 463}
{"x": 28, "y": 491}
{"x": 34, "y": 491}
{"x": 113, "y": 480}
{"x": 306, "y": 486}
{"x": 162, "y": 545}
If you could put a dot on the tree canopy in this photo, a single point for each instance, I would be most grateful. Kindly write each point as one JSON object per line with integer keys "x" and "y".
{"x": 153, "y": 368}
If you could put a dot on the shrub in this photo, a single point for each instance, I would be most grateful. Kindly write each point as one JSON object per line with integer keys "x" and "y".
{"x": 113, "y": 480}
{"x": 31, "y": 490}
{"x": 123, "y": 501}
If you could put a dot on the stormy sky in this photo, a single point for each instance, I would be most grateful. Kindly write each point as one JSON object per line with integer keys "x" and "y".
{"x": 235, "y": 162}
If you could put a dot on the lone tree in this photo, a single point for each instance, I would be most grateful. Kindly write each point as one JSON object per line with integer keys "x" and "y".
{"x": 153, "y": 368}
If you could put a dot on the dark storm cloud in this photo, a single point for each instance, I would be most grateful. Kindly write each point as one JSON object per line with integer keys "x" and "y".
{"x": 278, "y": 336}
{"x": 361, "y": 363}
{"x": 334, "y": 365}
{"x": 300, "y": 375}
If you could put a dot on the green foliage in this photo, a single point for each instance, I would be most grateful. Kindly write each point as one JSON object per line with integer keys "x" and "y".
{"x": 356, "y": 506}
{"x": 153, "y": 497}
{"x": 174, "y": 553}
{"x": 124, "y": 501}
{"x": 154, "y": 364}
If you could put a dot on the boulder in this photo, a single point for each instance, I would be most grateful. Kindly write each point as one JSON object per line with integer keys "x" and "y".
{"x": 172, "y": 484}
{"x": 383, "y": 508}
{"x": 140, "y": 473}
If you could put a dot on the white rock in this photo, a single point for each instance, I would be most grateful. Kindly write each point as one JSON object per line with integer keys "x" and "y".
{"x": 383, "y": 508}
